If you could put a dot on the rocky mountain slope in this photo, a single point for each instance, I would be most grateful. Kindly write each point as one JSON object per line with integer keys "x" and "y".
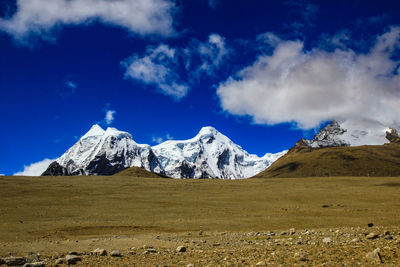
{"x": 347, "y": 133}
{"x": 209, "y": 154}
{"x": 335, "y": 151}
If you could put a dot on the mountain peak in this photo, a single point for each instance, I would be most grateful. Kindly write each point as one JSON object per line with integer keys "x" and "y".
{"x": 111, "y": 131}
{"x": 208, "y": 131}
{"x": 95, "y": 130}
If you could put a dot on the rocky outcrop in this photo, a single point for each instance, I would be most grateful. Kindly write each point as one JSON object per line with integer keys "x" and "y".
{"x": 393, "y": 136}
{"x": 348, "y": 133}
{"x": 55, "y": 169}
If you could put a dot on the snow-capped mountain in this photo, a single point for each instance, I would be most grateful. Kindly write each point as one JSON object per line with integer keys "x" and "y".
{"x": 104, "y": 152}
{"x": 349, "y": 133}
{"x": 209, "y": 154}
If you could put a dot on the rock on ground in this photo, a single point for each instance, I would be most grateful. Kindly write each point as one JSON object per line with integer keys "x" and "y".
{"x": 181, "y": 249}
{"x": 115, "y": 253}
{"x": 35, "y": 264}
{"x": 99, "y": 252}
{"x": 72, "y": 259}
{"x": 14, "y": 261}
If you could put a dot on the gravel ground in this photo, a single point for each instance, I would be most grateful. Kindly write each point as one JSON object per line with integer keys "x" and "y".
{"x": 367, "y": 246}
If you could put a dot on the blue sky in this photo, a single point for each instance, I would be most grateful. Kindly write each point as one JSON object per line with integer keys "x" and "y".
{"x": 264, "y": 73}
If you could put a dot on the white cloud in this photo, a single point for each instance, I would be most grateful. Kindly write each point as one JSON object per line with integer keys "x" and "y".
{"x": 41, "y": 17}
{"x": 35, "y": 169}
{"x": 110, "y": 116}
{"x": 157, "y": 68}
{"x": 212, "y": 53}
{"x": 160, "y": 65}
{"x": 310, "y": 87}
{"x": 2, "y": 174}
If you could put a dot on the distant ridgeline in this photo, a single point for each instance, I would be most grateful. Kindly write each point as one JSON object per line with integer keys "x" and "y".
{"x": 209, "y": 154}
{"x": 338, "y": 149}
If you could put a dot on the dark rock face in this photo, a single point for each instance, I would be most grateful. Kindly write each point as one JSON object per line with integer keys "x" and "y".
{"x": 223, "y": 159}
{"x": 326, "y": 137}
{"x": 187, "y": 171}
{"x": 153, "y": 161}
{"x": 103, "y": 166}
{"x": 302, "y": 144}
{"x": 325, "y": 134}
{"x": 55, "y": 169}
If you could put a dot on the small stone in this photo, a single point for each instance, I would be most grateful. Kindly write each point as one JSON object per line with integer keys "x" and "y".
{"x": 181, "y": 249}
{"x": 355, "y": 240}
{"x": 283, "y": 233}
{"x": 115, "y": 253}
{"x": 32, "y": 257}
{"x": 200, "y": 232}
{"x": 100, "y": 252}
{"x": 59, "y": 261}
{"x": 292, "y": 231}
{"x": 270, "y": 233}
{"x": 301, "y": 256}
{"x": 190, "y": 265}
{"x": 150, "y": 250}
{"x": 389, "y": 237}
{"x": 327, "y": 240}
{"x": 387, "y": 232}
{"x": 261, "y": 263}
{"x": 2, "y": 261}
{"x": 14, "y": 261}
{"x": 370, "y": 224}
{"x": 72, "y": 259}
{"x": 325, "y": 206}
{"x": 73, "y": 253}
{"x": 372, "y": 236}
{"x": 374, "y": 256}
{"x": 35, "y": 264}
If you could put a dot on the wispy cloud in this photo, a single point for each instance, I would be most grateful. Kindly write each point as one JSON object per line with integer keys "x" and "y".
{"x": 156, "y": 67}
{"x": 310, "y": 87}
{"x": 42, "y": 17}
{"x": 68, "y": 90}
{"x": 35, "y": 169}
{"x": 110, "y": 116}
{"x": 160, "y": 66}
{"x": 71, "y": 84}
{"x": 159, "y": 139}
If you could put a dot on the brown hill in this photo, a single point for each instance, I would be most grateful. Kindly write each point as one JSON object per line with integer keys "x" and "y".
{"x": 338, "y": 161}
{"x": 138, "y": 172}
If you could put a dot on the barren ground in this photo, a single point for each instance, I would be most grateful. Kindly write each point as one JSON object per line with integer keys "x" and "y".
{"x": 219, "y": 222}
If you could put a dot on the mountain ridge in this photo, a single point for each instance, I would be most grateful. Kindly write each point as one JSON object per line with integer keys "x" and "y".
{"x": 209, "y": 154}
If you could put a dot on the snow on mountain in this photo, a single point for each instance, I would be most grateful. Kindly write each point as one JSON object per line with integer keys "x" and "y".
{"x": 209, "y": 154}
{"x": 349, "y": 133}
{"x": 103, "y": 153}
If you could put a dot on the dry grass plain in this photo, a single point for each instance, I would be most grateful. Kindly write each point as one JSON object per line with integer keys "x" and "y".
{"x": 54, "y": 215}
